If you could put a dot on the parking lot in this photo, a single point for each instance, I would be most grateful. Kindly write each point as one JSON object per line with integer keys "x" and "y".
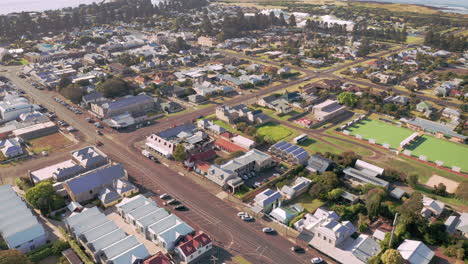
{"x": 255, "y": 180}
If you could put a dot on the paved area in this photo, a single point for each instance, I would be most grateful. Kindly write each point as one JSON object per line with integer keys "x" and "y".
{"x": 111, "y": 214}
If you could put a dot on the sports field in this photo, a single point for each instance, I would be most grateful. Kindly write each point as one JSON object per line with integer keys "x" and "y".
{"x": 452, "y": 154}
{"x": 380, "y": 131}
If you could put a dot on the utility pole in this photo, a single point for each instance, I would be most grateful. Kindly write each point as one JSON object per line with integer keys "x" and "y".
{"x": 393, "y": 230}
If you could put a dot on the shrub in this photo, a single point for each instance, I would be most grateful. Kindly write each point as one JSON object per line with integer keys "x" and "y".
{"x": 42, "y": 254}
{"x": 59, "y": 246}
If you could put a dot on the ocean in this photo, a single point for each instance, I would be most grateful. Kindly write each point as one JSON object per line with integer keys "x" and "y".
{"x": 452, "y": 6}
{"x": 10, "y": 6}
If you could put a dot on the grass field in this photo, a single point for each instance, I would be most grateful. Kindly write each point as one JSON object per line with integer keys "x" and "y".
{"x": 276, "y": 131}
{"x": 49, "y": 143}
{"x": 452, "y": 154}
{"x": 308, "y": 203}
{"x": 380, "y": 131}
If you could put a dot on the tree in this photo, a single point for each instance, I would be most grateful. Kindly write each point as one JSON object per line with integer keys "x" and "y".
{"x": 348, "y": 98}
{"x": 392, "y": 256}
{"x": 462, "y": 190}
{"x": 373, "y": 199}
{"x": 179, "y": 153}
{"x": 364, "y": 49}
{"x": 410, "y": 210}
{"x": 334, "y": 194}
{"x": 13, "y": 256}
{"x": 113, "y": 87}
{"x": 292, "y": 21}
{"x": 363, "y": 222}
{"x": 43, "y": 197}
{"x": 64, "y": 82}
{"x": 440, "y": 189}
{"x": 412, "y": 180}
{"x": 73, "y": 92}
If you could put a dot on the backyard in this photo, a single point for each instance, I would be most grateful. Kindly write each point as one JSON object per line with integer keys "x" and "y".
{"x": 49, "y": 143}
{"x": 452, "y": 154}
{"x": 381, "y": 132}
{"x": 275, "y": 131}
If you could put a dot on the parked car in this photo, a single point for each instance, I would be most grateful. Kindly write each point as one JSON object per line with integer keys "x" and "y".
{"x": 316, "y": 260}
{"x": 172, "y": 201}
{"x": 99, "y": 143}
{"x": 297, "y": 249}
{"x": 240, "y": 214}
{"x": 164, "y": 196}
{"x": 180, "y": 207}
{"x": 99, "y": 132}
{"x": 98, "y": 125}
{"x": 248, "y": 218}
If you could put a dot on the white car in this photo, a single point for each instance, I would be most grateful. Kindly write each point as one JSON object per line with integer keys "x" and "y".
{"x": 164, "y": 196}
{"x": 316, "y": 260}
{"x": 240, "y": 214}
{"x": 268, "y": 230}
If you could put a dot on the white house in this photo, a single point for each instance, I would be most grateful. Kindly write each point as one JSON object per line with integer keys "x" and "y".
{"x": 192, "y": 247}
{"x": 11, "y": 148}
{"x": 415, "y": 252}
{"x": 267, "y": 200}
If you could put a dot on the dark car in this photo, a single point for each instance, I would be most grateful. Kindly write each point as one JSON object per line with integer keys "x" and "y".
{"x": 180, "y": 207}
{"x": 297, "y": 249}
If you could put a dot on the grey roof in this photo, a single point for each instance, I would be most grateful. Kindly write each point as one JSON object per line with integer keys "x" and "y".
{"x": 415, "y": 252}
{"x": 129, "y": 204}
{"x": 249, "y": 157}
{"x": 92, "y": 97}
{"x": 120, "y": 246}
{"x": 174, "y": 131}
{"x": 317, "y": 163}
{"x": 432, "y": 126}
{"x": 267, "y": 197}
{"x": 126, "y": 101}
{"x": 107, "y": 240}
{"x": 96, "y": 178}
{"x": 107, "y": 196}
{"x": 397, "y": 193}
{"x": 463, "y": 223}
{"x": 365, "y": 247}
{"x": 20, "y": 227}
{"x": 364, "y": 177}
{"x": 99, "y": 231}
{"x": 89, "y": 156}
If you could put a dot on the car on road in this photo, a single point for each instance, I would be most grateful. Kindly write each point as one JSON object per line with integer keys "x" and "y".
{"x": 268, "y": 230}
{"x": 172, "y": 201}
{"x": 164, "y": 196}
{"x": 297, "y": 249}
{"x": 180, "y": 207}
{"x": 316, "y": 260}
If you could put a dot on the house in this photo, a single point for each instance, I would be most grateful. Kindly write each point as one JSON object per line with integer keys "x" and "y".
{"x": 458, "y": 224}
{"x": 196, "y": 98}
{"x": 397, "y": 193}
{"x": 224, "y": 177}
{"x": 210, "y": 127}
{"x": 432, "y": 207}
{"x": 102, "y": 239}
{"x": 451, "y": 113}
{"x": 117, "y": 68}
{"x": 207, "y": 41}
{"x": 191, "y": 247}
{"x": 82, "y": 160}
{"x": 423, "y": 107}
{"x": 285, "y": 214}
{"x": 159, "y": 258}
{"x": 397, "y": 99}
{"x": 19, "y": 227}
{"x": 324, "y": 232}
{"x": 435, "y": 128}
{"x": 232, "y": 114}
{"x": 280, "y": 105}
{"x": 153, "y": 222}
{"x": 93, "y": 97}
{"x": 267, "y": 200}
{"x": 289, "y": 152}
{"x": 90, "y": 184}
{"x": 253, "y": 160}
{"x": 243, "y": 142}
{"x": 164, "y": 142}
{"x": 365, "y": 173}
{"x": 327, "y": 110}
{"x": 11, "y": 148}
{"x": 300, "y": 185}
{"x": 319, "y": 164}
{"x": 139, "y": 104}
{"x": 120, "y": 188}
{"x": 415, "y": 252}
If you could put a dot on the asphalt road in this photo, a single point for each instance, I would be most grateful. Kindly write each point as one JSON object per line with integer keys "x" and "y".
{"x": 206, "y": 211}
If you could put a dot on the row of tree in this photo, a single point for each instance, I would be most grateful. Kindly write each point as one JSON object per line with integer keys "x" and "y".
{"x": 448, "y": 42}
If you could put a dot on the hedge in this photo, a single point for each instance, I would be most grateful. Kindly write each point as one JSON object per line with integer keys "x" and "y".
{"x": 48, "y": 250}
{"x": 75, "y": 247}
{"x": 42, "y": 254}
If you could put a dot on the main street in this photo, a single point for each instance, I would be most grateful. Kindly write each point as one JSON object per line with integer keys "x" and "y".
{"x": 206, "y": 211}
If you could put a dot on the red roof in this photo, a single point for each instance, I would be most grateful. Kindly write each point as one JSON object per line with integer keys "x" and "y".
{"x": 206, "y": 155}
{"x": 189, "y": 244}
{"x": 203, "y": 165}
{"x": 159, "y": 258}
{"x": 228, "y": 145}
{"x": 226, "y": 134}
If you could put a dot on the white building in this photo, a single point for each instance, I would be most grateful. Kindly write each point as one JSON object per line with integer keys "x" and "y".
{"x": 333, "y": 20}
{"x": 18, "y": 226}
{"x": 190, "y": 248}
{"x": 13, "y": 106}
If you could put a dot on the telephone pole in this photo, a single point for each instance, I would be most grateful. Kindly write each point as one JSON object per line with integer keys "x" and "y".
{"x": 393, "y": 230}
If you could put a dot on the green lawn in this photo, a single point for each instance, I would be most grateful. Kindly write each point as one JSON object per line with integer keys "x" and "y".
{"x": 308, "y": 203}
{"x": 225, "y": 125}
{"x": 381, "y": 132}
{"x": 452, "y": 154}
{"x": 275, "y": 131}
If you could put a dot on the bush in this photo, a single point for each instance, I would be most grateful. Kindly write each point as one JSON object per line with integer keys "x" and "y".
{"x": 23, "y": 183}
{"x": 42, "y": 254}
{"x": 59, "y": 246}
{"x": 74, "y": 245}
